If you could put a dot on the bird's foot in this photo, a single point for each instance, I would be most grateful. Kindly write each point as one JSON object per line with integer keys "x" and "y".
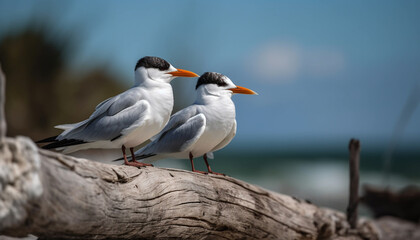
{"x": 142, "y": 164}
{"x": 138, "y": 164}
{"x": 216, "y": 173}
{"x": 197, "y": 171}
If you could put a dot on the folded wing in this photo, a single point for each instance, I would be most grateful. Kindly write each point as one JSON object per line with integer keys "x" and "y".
{"x": 111, "y": 119}
{"x": 182, "y": 133}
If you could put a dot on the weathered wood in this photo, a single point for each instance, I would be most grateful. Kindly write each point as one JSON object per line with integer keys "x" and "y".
{"x": 354, "y": 148}
{"x": 57, "y": 196}
{"x": 2, "y": 101}
{"x": 398, "y": 229}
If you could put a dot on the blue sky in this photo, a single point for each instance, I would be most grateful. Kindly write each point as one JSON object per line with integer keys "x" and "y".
{"x": 325, "y": 71}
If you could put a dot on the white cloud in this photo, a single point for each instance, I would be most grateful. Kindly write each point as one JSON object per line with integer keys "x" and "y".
{"x": 281, "y": 62}
{"x": 277, "y": 61}
{"x": 324, "y": 62}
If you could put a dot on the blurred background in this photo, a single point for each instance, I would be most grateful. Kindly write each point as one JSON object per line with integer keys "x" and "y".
{"x": 325, "y": 72}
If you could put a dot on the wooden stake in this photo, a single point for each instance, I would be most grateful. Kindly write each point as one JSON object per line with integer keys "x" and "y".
{"x": 354, "y": 148}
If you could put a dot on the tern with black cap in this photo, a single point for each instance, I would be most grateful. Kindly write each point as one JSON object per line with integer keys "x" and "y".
{"x": 128, "y": 119}
{"x": 200, "y": 129}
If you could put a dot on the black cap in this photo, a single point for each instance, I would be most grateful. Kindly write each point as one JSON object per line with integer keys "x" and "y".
{"x": 152, "y": 62}
{"x": 211, "y": 78}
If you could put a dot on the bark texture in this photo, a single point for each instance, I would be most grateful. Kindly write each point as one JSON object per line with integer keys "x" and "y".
{"x": 56, "y": 196}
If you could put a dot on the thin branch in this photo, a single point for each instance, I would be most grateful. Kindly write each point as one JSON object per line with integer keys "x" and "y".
{"x": 354, "y": 148}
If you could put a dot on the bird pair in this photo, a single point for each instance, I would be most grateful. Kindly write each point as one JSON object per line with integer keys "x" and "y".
{"x": 143, "y": 112}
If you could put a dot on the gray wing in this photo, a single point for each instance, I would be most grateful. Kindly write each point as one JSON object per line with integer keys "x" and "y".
{"x": 177, "y": 119}
{"x": 110, "y": 119}
{"x": 227, "y": 139}
{"x": 105, "y": 102}
{"x": 118, "y": 103}
{"x": 178, "y": 138}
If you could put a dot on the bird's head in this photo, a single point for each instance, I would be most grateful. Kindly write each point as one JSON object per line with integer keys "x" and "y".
{"x": 158, "y": 69}
{"x": 220, "y": 85}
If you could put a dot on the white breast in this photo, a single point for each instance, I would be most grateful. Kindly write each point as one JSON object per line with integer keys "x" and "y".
{"x": 220, "y": 117}
{"x": 161, "y": 100}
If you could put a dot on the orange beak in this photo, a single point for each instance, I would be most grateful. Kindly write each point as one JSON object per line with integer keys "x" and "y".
{"x": 242, "y": 90}
{"x": 183, "y": 73}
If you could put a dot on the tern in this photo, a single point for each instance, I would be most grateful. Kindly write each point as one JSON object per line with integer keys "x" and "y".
{"x": 208, "y": 125}
{"x": 128, "y": 119}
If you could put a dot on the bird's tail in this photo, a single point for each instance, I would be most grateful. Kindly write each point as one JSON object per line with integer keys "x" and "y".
{"x": 54, "y": 143}
{"x": 47, "y": 140}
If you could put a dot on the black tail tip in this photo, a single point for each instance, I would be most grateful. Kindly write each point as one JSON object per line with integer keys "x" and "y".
{"x": 47, "y": 140}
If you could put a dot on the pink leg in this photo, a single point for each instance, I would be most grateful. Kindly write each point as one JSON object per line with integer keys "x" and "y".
{"x": 133, "y": 159}
{"x": 208, "y": 166}
{"x": 126, "y": 162}
{"x": 192, "y": 165}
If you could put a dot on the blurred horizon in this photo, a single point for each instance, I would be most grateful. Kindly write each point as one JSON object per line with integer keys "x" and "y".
{"x": 325, "y": 73}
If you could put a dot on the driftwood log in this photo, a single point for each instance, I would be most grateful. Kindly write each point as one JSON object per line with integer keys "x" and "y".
{"x": 51, "y": 195}
{"x": 54, "y": 196}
